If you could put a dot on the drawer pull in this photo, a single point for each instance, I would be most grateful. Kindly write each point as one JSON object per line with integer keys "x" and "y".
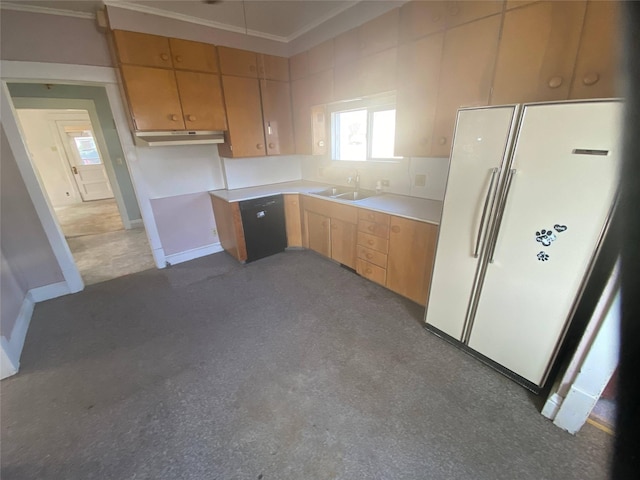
{"x": 259, "y": 146}
{"x": 370, "y": 242}
{"x": 191, "y": 118}
{"x": 442, "y": 140}
{"x": 368, "y": 270}
{"x": 178, "y": 58}
{"x": 272, "y": 145}
{"x": 591, "y": 79}
{"x": 371, "y": 229}
{"x": 164, "y": 57}
{"x": 555, "y": 82}
{"x": 395, "y": 229}
{"x": 369, "y": 256}
{"x": 174, "y": 117}
{"x": 321, "y": 143}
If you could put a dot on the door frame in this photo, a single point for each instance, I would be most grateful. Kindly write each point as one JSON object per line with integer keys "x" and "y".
{"x": 21, "y": 103}
{"x": 54, "y": 73}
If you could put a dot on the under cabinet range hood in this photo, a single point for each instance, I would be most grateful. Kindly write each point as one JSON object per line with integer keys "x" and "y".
{"x": 181, "y": 137}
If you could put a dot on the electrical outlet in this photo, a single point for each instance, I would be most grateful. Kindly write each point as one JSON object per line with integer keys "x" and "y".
{"x": 385, "y": 183}
{"x": 214, "y": 231}
{"x": 420, "y": 180}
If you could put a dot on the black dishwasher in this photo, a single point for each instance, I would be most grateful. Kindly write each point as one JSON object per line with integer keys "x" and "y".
{"x": 264, "y": 226}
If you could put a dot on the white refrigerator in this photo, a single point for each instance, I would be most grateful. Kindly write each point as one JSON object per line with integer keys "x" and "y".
{"x": 529, "y": 196}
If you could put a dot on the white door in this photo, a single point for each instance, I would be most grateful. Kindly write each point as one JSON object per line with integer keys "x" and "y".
{"x": 479, "y": 146}
{"x": 87, "y": 165}
{"x": 566, "y": 160}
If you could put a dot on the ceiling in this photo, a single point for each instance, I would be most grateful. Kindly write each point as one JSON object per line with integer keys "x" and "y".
{"x": 277, "y": 20}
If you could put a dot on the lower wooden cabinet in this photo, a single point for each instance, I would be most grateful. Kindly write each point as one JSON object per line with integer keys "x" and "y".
{"x": 318, "y": 233}
{"x": 229, "y": 225}
{"x": 343, "y": 242}
{"x": 412, "y": 247}
{"x": 293, "y": 220}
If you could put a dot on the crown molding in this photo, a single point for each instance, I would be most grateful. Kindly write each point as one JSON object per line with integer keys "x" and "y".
{"x": 47, "y": 10}
{"x": 328, "y": 16}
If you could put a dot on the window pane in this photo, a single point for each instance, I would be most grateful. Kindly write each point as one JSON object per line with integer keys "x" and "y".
{"x": 88, "y": 151}
{"x": 351, "y": 133}
{"x": 383, "y": 134}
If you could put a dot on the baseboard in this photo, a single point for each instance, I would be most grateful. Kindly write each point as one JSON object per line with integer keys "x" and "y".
{"x": 136, "y": 223}
{"x": 551, "y": 406}
{"x": 194, "y": 253}
{"x": 12, "y": 347}
{"x": 47, "y": 292}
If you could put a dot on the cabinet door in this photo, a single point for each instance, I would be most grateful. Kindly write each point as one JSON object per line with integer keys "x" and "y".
{"x": 459, "y": 12}
{"x": 202, "y": 103}
{"x": 379, "y": 34}
{"x": 229, "y": 225}
{"x": 597, "y": 64}
{"x": 318, "y": 230}
{"x": 300, "y": 95}
{"x": 276, "y": 112}
{"x": 319, "y": 126}
{"x": 343, "y": 242}
{"x": 321, "y": 57}
{"x": 293, "y": 220}
{"x": 378, "y": 72}
{"x": 419, "y": 18}
{"x": 537, "y": 52}
{"x": 347, "y": 82}
{"x": 234, "y": 61}
{"x": 271, "y": 67}
{"x": 244, "y": 116}
{"x": 468, "y": 61}
{"x": 153, "y": 98}
{"x": 346, "y": 47}
{"x": 196, "y": 56}
{"x": 142, "y": 49}
{"x": 417, "y": 95}
{"x": 299, "y": 66}
{"x": 411, "y": 251}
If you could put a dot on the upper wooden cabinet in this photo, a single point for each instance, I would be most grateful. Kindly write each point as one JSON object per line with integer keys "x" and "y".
{"x": 537, "y": 52}
{"x": 459, "y": 12}
{"x": 271, "y": 67}
{"x": 299, "y": 66}
{"x": 417, "y": 95}
{"x": 468, "y": 61}
{"x": 321, "y": 57}
{"x": 276, "y": 113}
{"x": 293, "y": 219}
{"x": 518, "y": 3}
{"x": 346, "y": 47}
{"x": 202, "y": 102}
{"x": 196, "y": 56}
{"x": 378, "y": 72}
{"x": 142, "y": 49}
{"x": 245, "y": 137}
{"x": 234, "y": 61}
{"x": 412, "y": 247}
{"x": 380, "y": 33}
{"x": 153, "y": 98}
{"x": 598, "y": 57}
{"x": 418, "y": 19}
{"x": 300, "y": 97}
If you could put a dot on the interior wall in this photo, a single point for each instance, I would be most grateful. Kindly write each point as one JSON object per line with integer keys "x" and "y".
{"x": 50, "y": 160}
{"x": 401, "y": 175}
{"x": 39, "y": 37}
{"x": 13, "y": 290}
{"x": 25, "y": 246}
{"x": 251, "y": 172}
{"x": 124, "y": 19}
{"x": 105, "y": 117}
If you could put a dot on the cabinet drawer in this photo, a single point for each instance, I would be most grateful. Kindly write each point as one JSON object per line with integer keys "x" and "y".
{"x": 343, "y": 212}
{"x": 371, "y": 271}
{"x": 377, "y": 229}
{"x": 372, "y": 256}
{"x": 371, "y": 216}
{"x": 373, "y": 242}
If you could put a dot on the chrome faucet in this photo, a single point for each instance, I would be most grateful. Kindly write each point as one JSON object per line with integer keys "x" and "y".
{"x": 355, "y": 180}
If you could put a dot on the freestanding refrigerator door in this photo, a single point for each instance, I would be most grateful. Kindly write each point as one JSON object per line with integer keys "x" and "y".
{"x": 566, "y": 161}
{"x": 481, "y": 139}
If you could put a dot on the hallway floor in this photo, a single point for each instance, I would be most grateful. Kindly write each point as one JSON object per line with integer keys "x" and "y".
{"x": 287, "y": 368}
{"x": 100, "y": 245}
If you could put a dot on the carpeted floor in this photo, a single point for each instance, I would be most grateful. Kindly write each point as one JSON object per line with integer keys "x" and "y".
{"x": 287, "y": 368}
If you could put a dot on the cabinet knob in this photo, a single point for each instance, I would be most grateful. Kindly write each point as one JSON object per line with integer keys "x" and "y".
{"x": 259, "y": 146}
{"x": 369, "y": 271}
{"x": 369, "y": 256}
{"x": 178, "y": 58}
{"x": 272, "y": 145}
{"x": 321, "y": 143}
{"x": 191, "y": 118}
{"x": 395, "y": 229}
{"x": 174, "y": 117}
{"x": 370, "y": 242}
{"x": 442, "y": 140}
{"x": 555, "y": 82}
{"x": 591, "y": 78}
{"x": 370, "y": 227}
{"x": 164, "y": 56}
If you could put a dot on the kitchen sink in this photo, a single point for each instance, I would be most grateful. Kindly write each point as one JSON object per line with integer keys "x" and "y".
{"x": 346, "y": 193}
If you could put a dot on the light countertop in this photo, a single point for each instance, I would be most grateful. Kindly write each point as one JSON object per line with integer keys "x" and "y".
{"x": 415, "y": 208}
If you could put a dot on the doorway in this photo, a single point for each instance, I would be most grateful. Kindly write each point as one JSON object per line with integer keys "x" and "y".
{"x": 66, "y": 153}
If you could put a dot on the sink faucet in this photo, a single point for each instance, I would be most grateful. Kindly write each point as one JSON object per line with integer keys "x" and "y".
{"x": 355, "y": 180}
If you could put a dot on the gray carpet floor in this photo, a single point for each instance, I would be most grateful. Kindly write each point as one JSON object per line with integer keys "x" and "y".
{"x": 287, "y": 368}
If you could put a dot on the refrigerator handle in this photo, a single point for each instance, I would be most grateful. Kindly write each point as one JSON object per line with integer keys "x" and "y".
{"x": 484, "y": 212}
{"x": 501, "y": 213}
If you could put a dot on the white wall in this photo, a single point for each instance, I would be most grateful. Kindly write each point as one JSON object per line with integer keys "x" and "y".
{"x": 250, "y": 172}
{"x": 401, "y": 175}
{"x": 49, "y": 156}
